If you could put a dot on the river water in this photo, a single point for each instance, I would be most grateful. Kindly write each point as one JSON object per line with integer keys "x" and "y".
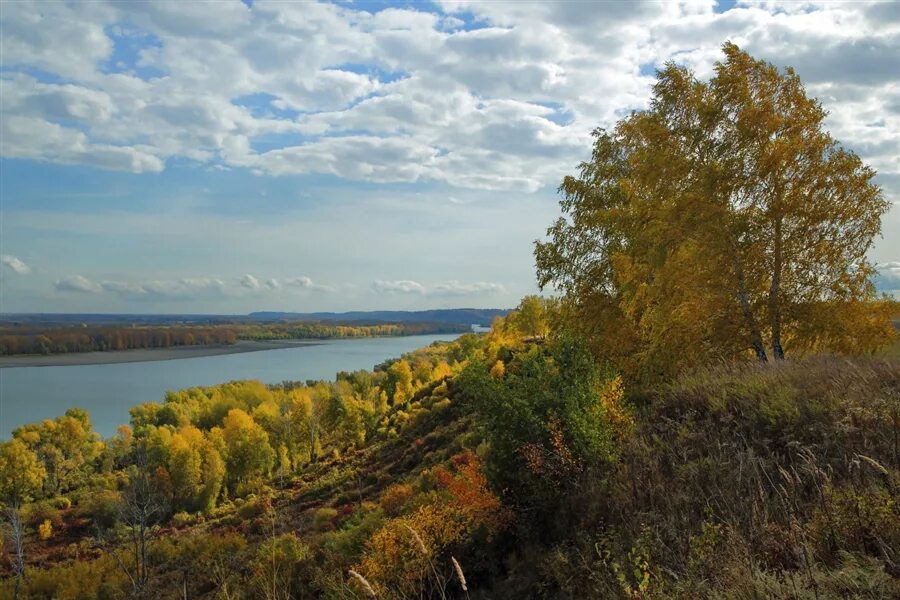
{"x": 30, "y": 394}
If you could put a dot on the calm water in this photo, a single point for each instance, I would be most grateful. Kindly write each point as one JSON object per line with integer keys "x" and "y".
{"x": 30, "y": 394}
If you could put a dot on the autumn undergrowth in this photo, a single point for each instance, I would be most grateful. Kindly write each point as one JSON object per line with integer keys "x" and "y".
{"x": 747, "y": 481}
{"x": 532, "y": 471}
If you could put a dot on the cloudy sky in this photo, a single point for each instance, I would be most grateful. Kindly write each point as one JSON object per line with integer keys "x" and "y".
{"x": 238, "y": 156}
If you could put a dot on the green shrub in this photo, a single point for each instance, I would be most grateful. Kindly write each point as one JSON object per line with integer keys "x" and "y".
{"x": 252, "y": 507}
{"x": 324, "y": 516}
{"x": 62, "y": 503}
{"x": 39, "y": 512}
{"x": 280, "y": 564}
{"x": 349, "y": 541}
{"x": 103, "y": 508}
{"x": 182, "y": 519}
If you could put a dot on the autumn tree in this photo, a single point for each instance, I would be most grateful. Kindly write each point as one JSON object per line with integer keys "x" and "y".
{"x": 196, "y": 469}
{"x": 352, "y": 415}
{"x": 21, "y": 473}
{"x": 65, "y": 445}
{"x": 21, "y": 477}
{"x": 722, "y": 220}
{"x": 248, "y": 455}
{"x": 530, "y": 317}
{"x": 400, "y": 381}
{"x": 308, "y": 408}
{"x": 276, "y": 418}
{"x": 142, "y": 506}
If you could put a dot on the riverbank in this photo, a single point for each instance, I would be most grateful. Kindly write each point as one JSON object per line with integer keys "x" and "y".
{"x": 147, "y": 354}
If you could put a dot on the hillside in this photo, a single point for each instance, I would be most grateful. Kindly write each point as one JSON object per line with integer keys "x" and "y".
{"x": 756, "y": 481}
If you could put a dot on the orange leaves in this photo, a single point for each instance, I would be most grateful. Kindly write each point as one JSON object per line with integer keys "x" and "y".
{"x": 469, "y": 492}
{"x": 394, "y": 498}
{"x": 395, "y": 563}
{"x": 556, "y": 462}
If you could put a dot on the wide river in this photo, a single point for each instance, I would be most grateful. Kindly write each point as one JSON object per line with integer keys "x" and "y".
{"x": 29, "y": 394}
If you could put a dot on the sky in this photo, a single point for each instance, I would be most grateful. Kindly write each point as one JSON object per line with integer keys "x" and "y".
{"x": 226, "y": 157}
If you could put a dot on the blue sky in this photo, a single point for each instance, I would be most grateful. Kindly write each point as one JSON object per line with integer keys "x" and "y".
{"x": 237, "y": 156}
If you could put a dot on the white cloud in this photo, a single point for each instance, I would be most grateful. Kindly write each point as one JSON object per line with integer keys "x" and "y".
{"x": 456, "y": 288}
{"x": 14, "y": 264}
{"x": 402, "y": 286}
{"x": 302, "y": 282}
{"x": 56, "y": 37}
{"x": 78, "y": 284}
{"x": 250, "y": 282}
{"x": 305, "y": 283}
{"x": 187, "y": 288}
{"x": 124, "y": 288}
{"x": 405, "y": 95}
{"x": 888, "y": 277}
{"x": 446, "y": 288}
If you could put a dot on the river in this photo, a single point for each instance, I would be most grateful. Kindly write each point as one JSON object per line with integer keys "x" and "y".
{"x": 107, "y": 391}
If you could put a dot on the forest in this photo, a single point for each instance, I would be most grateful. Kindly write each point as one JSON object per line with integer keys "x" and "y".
{"x": 61, "y": 340}
{"x": 708, "y": 408}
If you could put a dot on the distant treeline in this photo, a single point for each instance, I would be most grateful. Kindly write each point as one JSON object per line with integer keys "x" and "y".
{"x": 92, "y": 339}
{"x": 102, "y": 339}
{"x": 307, "y": 330}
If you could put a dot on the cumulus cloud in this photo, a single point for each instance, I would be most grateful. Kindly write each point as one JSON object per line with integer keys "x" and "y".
{"x": 305, "y": 283}
{"x": 250, "y": 282}
{"x": 14, "y": 264}
{"x": 77, "y": 284}
{"x": 402, "y": 286}
{"x": 186, "y": 288}
{"x": 447, "y": 288}
{"x": 301, "y": 282}
{"x": 888, "y": 277}
{"x": 456, "y": 288}
{"x": 405, "y": 95}
{"x": 183, "y": 289}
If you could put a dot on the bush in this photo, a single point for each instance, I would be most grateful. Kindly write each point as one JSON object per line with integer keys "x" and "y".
{"x": 98, "y": 578}
{"x": 41, "y": 512}
{"x": 280, "y": 564}
{"x": 103, "y": 508}
{"x": 324, "y": 516}
{"x": 394, "y": 498}
{"x": 62, "y": 503}
{"x": 45, "y": 530}
{"x": 252, "y": 507}
{"x": 553, "y": 422}
{"x": 349, "y": 542}
{"x": 182, "y": 519}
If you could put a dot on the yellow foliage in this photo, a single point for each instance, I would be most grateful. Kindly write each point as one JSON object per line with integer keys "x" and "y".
{"x": 498, "y": 370}
{"x": 695, "y": 236}
{"x": 395, "y": 563}
{"x": 611, "y": 395}
{"x": 45, "y": 529}
{"x": 393, "y": 498}
{"x": 441, "y": 371}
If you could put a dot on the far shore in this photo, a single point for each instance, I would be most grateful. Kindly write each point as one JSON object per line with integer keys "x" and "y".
{"x": 147, "y": 354}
